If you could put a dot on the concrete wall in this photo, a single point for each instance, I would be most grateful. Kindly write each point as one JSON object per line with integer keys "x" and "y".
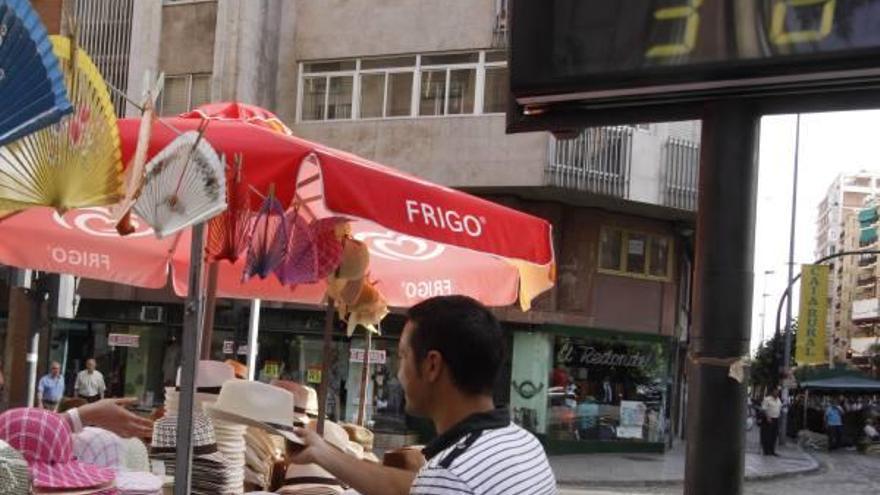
{"x": 455, "y": 151}
{"x": 146, "y": 36}
{"x": 346, "y": 28}
{"x": 187, "y": 42}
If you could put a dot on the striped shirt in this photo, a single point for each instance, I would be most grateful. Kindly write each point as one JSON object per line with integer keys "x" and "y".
{"x": 485, "y": 455}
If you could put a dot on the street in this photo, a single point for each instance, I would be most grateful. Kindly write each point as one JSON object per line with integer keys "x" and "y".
{"x": 843, "y": 473}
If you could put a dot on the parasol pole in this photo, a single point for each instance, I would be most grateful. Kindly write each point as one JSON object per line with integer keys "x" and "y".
{"x": 253, "y": 338}
{"x": 210, "y": 306}
{"x": 189, "y": 359}
{"x": 365, "y": 373}
{"x": 329, "y": 315}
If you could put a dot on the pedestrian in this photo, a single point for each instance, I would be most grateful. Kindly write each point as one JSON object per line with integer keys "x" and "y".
{"x": 50, "y": 390}
{"x": 771, "y": 408}
{"x": 834, "y": 424}
{"x": 451, "y": 351}
{"x": 90, "y": 382}
{"x": 871, "y": 433}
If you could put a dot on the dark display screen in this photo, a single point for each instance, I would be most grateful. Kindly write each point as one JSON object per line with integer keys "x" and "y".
{"x": 599, "y": 47}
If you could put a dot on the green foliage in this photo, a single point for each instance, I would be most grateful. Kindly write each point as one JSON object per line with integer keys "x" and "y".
{"x": 767, "y": 362}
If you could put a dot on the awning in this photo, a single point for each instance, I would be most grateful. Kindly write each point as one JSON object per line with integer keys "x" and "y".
{"x": 868, "y": 216}
{"x": 868, "y": 236}
{"x": 842, "y": 383}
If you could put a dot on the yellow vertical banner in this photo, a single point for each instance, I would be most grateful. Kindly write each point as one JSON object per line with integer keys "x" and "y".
{"x": 813, "y": 316}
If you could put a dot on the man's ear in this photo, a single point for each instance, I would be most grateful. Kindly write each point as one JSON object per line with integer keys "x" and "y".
{"x": 432, "y": 366}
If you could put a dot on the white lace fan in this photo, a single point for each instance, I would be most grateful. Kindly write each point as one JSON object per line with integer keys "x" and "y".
{"x": 185, "y": 184}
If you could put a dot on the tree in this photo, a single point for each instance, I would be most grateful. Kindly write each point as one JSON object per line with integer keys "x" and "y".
{"x": 766, "y": 369}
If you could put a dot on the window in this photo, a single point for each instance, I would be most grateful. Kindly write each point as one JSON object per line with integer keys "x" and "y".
{"x": 184, "y": 92}
{"x": 638, "y": 254}
{"x": 404, "y": 86}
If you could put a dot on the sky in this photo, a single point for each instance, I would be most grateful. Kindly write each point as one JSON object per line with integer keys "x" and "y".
{"x": 830, "y": 144}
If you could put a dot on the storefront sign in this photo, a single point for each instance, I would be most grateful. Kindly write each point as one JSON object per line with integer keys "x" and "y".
{"x": 228, "y": 346}
{"x": 812, "y": 319}
{"x": 272, "y": 369}
{"x": 242, "y": 350}
{"x": 123, "y": 340}
{"x": 313, "y": 375}
{"x": 376, "y": 356}
{"x": 632, "y": 413}
{"x": 572, "y": 354}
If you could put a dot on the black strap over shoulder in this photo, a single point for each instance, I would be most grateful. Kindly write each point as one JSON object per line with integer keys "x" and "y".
{"x": 460, "y": 449}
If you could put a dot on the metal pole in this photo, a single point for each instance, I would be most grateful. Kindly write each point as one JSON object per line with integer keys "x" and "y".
{"x": 210, "y": 309}
{"x": 192, "y": 320}
{"x": 764, "y": 296}
{"x": 716, "y": 410}
{"x": 365, "y": 374}
{"x": 786, "y": 356}
{"x": 253, "y": 338}
{"x": 329, "y": 315}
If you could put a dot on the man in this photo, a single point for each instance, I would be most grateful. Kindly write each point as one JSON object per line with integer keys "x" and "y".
{"x": 450, "y": 352}
{"x": 871, "y": 433}
{"x": 772, "y": 408}
{"x": 90, "y": 383}
{"x": 50, "y": 391}
{"x": 834, "y": 424}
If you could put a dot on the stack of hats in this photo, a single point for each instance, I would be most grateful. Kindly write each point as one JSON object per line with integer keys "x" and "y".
{"x": 45, "y": 441}
{"x": 210, "y": 378}
{"x": 305, "y": 401}
{"x": 309, "y": 479}
{"x": 15, "y": 479}
{"x": 211, "y": 471}
{"x": 362, "y": 438}
{"x": 105, "y": 449}
{"x": 261, "y": 454}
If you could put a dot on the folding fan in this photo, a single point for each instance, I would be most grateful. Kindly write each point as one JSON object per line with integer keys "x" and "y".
{"x": 32, "y": 90}
{"x": 313, "y": 251}
{"x": 185, "y": 184}
{"x": 228, "y": 231}
{"x": 74, "y": 163}
{"x": 264, "y": 252}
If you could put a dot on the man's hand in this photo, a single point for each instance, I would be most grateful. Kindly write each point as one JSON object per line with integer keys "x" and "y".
{"x": 315, "y": 450}
{"x": 111, "y": 415}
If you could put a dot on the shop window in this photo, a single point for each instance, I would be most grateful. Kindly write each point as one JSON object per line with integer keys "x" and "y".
{"x": 386, "y": 94}
{"x": 593, "y": 388}
{"x": 635, "y": 254}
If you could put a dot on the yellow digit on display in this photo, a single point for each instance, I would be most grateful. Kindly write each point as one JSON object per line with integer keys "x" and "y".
{"x": 778, "y": 34}
{"x": 689, "y": 12}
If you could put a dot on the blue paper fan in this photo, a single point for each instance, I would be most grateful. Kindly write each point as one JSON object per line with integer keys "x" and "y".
{"x": 32, "y": 89}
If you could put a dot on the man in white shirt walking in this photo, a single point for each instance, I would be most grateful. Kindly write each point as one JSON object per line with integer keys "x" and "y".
{"x": 772, "y": 408}
{"x": 90, "y": 383}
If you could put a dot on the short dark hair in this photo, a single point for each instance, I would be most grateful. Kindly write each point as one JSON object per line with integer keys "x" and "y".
{"x": 466, "y": 334}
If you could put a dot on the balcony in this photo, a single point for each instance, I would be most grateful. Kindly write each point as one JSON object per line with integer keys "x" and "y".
{"x": 500, "y": 30}
{"x": 868, "y": 260}
{"x": 598, "y": 160}
{"x": 866, "y": 281}
{"x": 682, "y": 172}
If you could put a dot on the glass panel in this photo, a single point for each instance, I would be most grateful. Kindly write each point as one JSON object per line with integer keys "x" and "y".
{"x": 372, "y": 95}
{"x": 314, "y": 89}
{"x": 201, "y": 90}
{"x": 399, "y": 94}
{"x": 337, "y": 66}
{"x": 499, "y": 56}
{"x": 433, "y": 92}
{"x": 636, "y": 245}
{"x": 659, "y": 264}
{"x": 496, "y": 92}
{"x": 532, "y": 354}
{"x": 339, "y": 104}
{"x": 448, "y": 59}
{"x": 462, "y": 89}
{"x": 607, "y": 389}
{"x": 609, "y": 249}
{"x": 174, "y": 95}
{"x": 384, "y": 63}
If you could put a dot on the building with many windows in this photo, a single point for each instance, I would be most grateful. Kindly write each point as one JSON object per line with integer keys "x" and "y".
{"x": 421, "y": 86}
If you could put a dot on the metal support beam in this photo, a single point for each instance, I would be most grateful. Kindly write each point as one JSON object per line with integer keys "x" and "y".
{"x": 716, "y": 411}
{"x": 253, "y": 338}
{"x": 192, "y": 326}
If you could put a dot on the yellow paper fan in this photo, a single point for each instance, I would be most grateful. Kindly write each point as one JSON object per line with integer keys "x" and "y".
{"x": 76, "y": 162}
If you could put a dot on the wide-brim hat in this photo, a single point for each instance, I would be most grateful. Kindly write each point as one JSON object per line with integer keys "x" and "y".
{"x": 204, "y": 444}
{"x": 336, "y": 436}
{"x": 309, "y": 479}
{"x": 305, "y": 399}
{"x": 45, "y": 441}
{"x": 256, "y": 404}
{"x": 130, "y": 483}
{"x": 211, "y": 376}
{"x": 135, "y": 456}
{"x": 15, "y": 478}
{"x": 360, "y": 435}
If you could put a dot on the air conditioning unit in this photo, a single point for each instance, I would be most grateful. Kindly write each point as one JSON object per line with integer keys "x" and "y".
{"x": 152, "y": 314}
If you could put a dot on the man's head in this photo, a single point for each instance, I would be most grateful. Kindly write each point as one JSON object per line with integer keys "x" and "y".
{"x": 91, "y": 364}
{"x": 450, "y": 345}
{"x": 55, "y": 368}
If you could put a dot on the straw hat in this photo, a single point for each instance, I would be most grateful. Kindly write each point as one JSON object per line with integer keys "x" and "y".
{"x": 14, "y": 475}
{"x": 360, "y": 435}
{"x": 305, "y": 399}
{"x": 355, "y": 260}
{"x": 43, "y": 438}
{"x": 256, "y": 404}
{"x": 336, "y": 436}
{"x": 240, "y": 369}
{"x": 407, "y": 458}
{"x": 309, "y": 479}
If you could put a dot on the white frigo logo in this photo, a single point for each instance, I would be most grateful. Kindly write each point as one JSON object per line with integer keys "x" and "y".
{"x": 98, "y": 221}
{"x": 398, "y": 247}
{"x": 444, "y": 219}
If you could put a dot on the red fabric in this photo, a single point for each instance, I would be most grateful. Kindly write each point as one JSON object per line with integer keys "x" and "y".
{"x": 44, "y": 439}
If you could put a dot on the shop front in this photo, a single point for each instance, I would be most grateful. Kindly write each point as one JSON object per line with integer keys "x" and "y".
{"x": 590, "y": 390}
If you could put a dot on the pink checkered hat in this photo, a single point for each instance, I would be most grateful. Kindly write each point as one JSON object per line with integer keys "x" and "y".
{"x": 44, "y": 438}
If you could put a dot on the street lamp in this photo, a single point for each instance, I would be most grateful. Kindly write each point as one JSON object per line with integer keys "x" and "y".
{"x": 764, "y": 297}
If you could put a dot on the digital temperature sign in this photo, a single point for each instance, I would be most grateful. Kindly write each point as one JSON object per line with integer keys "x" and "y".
{"x": 595, "y": 54}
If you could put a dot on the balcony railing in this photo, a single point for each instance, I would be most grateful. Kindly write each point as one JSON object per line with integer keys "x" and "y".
{"x": 499, "y": 30}
{"x": 864, "y": 282}
{"x": 598, "y": 160}
{"x": 105, "y": 33}
{"x": 868, "y": 260}
{"x": 681, "y": 175}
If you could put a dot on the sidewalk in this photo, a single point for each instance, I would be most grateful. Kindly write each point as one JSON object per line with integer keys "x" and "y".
{"x": 610, "y": 470}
